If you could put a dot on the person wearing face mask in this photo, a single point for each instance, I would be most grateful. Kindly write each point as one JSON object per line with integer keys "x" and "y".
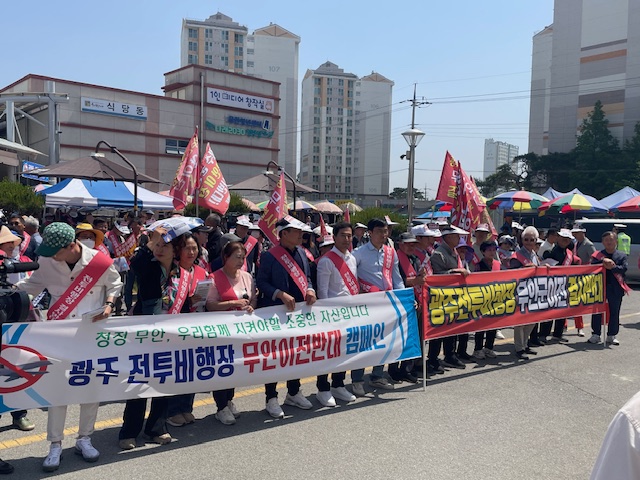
{"x": 90, "y": 237}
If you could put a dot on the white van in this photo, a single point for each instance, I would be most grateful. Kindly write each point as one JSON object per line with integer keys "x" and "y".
{"x": 597, "y": 226}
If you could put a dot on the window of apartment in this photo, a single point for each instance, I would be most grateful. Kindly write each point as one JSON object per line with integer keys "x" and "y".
{"x": 329, "y": 120}
{"x": 316, "y": 100}
{"x": 250, "y": 51}
{"x": 237, "y": 64}
{"x": 349, "y": 124}
{"x": 192, "y": 58}
{"x": 347, "y": 179}
{"x": 340, "y": 111}
{"x": 327, "y": 149}
{"x": 347, "y": 189}
{"x": 208, "y": 33}
{"x": 347, "y": 170}
{"x": 193, "y": 46}
{"x": 350, "y": 94}
{"x": 316, "y": 149}
{"x": 350, "y": 104}
{"x": 328, "y": 110}
{"x": 316, "y": 178}
{"x": 238, "y": 37}
{"x": 327, "y": 139}
{"x": 357, "y": 105}
{"x": 208, "y": 59}
{"x": 316, "y": 130}
{"x": 225, "y": 47}
{"x": 329, "y": 81}
{"x": 316, "y": 90}
{"x": 348, "y": 160}
{"x": 316, "y": 120}
{"x": 358, "y": 93}
{"x": 349, "y": 132}
{"x": 340, "y": 82}
{"x": 224, "y": 35}
{"x": 327, "y": 159}
{"x": 329, "y": 130}
{"x": 224, "y": 61}
{"x": 175, "y": 147}
{"x": 341, "y": 92}
{"x": 327, "y": 179}
{"x": 238, "y": 51}
{"x": 316, "y": 169}
{"x": 348, "y": 150}
{"x": 193, "y": 33}
{"x": 316, "y": 159}
{"x": 329, "y": 91}
{"x": 250, "y": 64}
{"x": 339, "y": 139}
{"x": 317, "y": 81}
{"x": 316, "y": 110}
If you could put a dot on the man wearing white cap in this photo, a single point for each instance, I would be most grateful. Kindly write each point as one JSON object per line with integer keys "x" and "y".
{"x": 481, "y": 234}
{"x": 337, "y": 277}
{"x": 65, "y": 263}
{"x": 281, "y": 282}
{"x": 445, "y": 260}
{"x": 426, "y": 242}
{"x": 359, "y": 235}
{"x": 243, "y": 224}
{"x": 562, "y": 253}
{"x": 584, "y": 249}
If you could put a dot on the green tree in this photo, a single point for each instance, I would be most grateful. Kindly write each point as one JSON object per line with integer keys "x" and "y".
{"x": 399, "y": 193}
{"x": 15, "y": 197}
{"x": 599, "y": 166}
{"x": 374, "y": 212}
{"x": 504, "y": 179}
{"x": 631, "y": 152}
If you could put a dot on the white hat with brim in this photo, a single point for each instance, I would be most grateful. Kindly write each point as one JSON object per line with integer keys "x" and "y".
{"x": 483, "y": 227}
{"x": 327, "y": 240}
{"x": 7, "y": 237}
{"x": 317, "y": 233}
{"x": 359, "y": 225}
{"x": 619, "y": 225}
{"x": 244, "y": 221}
{"x": 565, "y": 233}
{"x": 578, "y": 229}
{"x": 451, "y": 229}
{"x": 289, "y": 222}
{"x": 389, "y": 221}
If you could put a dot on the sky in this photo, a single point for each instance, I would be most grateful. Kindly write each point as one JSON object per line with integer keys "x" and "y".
{"x": 470, "y": 59}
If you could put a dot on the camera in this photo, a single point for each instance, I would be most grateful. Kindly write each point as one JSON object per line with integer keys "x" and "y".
{"x": 14, "y": 305}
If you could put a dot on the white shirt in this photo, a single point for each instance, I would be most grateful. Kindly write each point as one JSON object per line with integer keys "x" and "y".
{"x": 56, "y": 277}
{"x": 330, "y": 282}
{"x": 619, "y": 455}
{"x": 546, "y": 246}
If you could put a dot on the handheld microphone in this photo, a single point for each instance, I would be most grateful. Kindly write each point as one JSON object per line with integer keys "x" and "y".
{"x": 20, "y": 267}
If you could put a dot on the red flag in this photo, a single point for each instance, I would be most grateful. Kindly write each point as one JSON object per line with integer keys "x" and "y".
{"x": 448, "y": 187}
{"x": 347, "y": 215}
{"x": 274, "y": 211}
{"x": 457, "y": 188}
{"x": 323, "y": 227}
{"x": 185, "y": 181}
{"x": 214, "y": 193}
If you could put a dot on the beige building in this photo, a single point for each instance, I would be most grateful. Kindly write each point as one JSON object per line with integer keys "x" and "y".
{"x": 239, "y": 118}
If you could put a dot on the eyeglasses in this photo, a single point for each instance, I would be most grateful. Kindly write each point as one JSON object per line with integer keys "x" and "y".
{"x": 528, "y": 239}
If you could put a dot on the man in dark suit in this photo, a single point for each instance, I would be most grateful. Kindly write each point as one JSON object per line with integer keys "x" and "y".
{"x": 284, "y": 278}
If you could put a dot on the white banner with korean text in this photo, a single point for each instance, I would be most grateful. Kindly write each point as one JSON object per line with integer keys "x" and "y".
{"x": 75, "y": 361}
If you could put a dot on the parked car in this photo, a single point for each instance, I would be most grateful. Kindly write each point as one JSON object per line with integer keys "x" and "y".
{"x": 597, "y": 226}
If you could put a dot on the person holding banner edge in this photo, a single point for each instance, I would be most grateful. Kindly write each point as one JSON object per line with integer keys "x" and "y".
{"x": 337, "y": 277}
{"x": 377, "y": 271}
{"x": 233, "y": 288}
{"x": 64, "y": 263}
{"x": 284, "y": 278}
{"x": 615, "y": 264}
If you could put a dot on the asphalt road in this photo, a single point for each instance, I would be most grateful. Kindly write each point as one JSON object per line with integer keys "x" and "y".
{"x": 499, "y": 419}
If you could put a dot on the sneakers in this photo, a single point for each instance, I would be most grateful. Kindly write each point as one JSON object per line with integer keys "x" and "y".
{"x": 612, "y": 340}
{"x": 326, "y": 399}
{"x": 382, "y": 383}
{"x": 24, "y": 424}
{"x": 358, "y": 389}
{"x": 177, "y": 420}
{"x": 595, "y": 338}
{"x": 127, "y": 444}
{"x": 489, "y": 353}
{"x": 161, "y": 439}
{"x": 274, "y": 409}
{"x": 522, "y": 355}
{"x": 52, "y": 462}
{"x": 343, "y": 394}
{"x": 479, "y": 354}
{"x": 84, "y": 448}
{"x": 225, "y": 416}
{"x": 499, "y": 334}
{"x": 232, "y": 408}
{"x": 188, "y": 417}
{"x": 298, "y": 400}
{"x": 580, "y": 332}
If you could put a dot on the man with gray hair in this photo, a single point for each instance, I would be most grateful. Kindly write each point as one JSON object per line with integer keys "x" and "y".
{"x": 31, "y": 226}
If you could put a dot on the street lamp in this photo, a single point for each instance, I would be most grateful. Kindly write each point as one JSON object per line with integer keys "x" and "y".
{"x": 281, "y": 169}
{"x": 97, "y": 156}
{"x": 412, "y": 137}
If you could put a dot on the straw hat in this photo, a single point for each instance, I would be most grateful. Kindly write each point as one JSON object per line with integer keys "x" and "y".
{"x": 87, "y": 227}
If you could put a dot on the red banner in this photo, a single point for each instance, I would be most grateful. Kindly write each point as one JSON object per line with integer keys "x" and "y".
{"x": 448, "y": 187}
{"x": 185, "y": 181}
{"x": 214, "y": 193}
{"x": 454, "y": 305}
{"x": 347, "y": 215}
{"x": 274, "y": 211}
{"x": 323, "y": 227}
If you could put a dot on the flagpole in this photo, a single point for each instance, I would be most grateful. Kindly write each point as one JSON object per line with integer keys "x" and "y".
{"x": 201, "y": 139}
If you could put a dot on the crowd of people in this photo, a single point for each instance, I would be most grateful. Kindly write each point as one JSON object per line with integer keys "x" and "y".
{"x": 138, "y": 269}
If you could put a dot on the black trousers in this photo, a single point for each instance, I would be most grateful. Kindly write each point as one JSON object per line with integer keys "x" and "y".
{"x": 480, "y": 338}
{"x": 337, "y": 380}
{"x": 223, "y": 397}
{"x": 270, "y": 390}
{"x": 558, "y": 328}
{"x": 133, "y": 417}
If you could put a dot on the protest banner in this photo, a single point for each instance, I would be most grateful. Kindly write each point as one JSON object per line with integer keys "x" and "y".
{"x": 275, "y": 210}
{"x": 73, "y": 361}
{"x": 213, "y": 192}
{"x": 454, "y": 305}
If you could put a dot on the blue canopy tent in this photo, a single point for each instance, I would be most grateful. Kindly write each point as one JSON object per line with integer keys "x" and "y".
{"x": 619, "y": 197}
{"x": 74, "y": 192}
